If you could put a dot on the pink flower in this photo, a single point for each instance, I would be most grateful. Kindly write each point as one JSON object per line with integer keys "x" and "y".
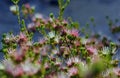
{"x": 44, "y": 50}
{"x": 22, "y": 37}
{"x": 27, "y": 6}
{"x": 42, "y": 40}
{"x": 91, "y": 50}
{"x": 31, "y": 26}
{"x": 10, "y": 68}
{"x": 18, "y": 55}
{"x": 36, "y": 50}
{"x": 117, "y": 71}
{"x": 74, "y": 32}
{"x": 30, "y": 68}
{"x": 18, "y": 71}
{"x": 77, "y": 43}
{"x": 51, "y": 75}
{"x": 72, "y": 71}
{"x": 47, "y": 66}
{"x": 65, "y": 22}
{"x": 37, "y": 24}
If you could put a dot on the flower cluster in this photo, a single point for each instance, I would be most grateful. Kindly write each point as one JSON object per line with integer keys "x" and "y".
{"x": 60, "y": 52}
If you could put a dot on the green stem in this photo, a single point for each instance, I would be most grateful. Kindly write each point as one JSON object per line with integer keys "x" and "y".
{"x": 18, "y": 13}
{"x": 62, "y": 7}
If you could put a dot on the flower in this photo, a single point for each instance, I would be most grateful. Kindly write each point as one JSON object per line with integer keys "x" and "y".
{"x": 76, "y": 60}
{"x": 13, "y": 9}
{"x": 73, "y": 60}
{"x": 55, "y": 51}
{"x": 58, "y": 62}
{"x": 2, "y": 67}
{"x": 47, "y": 66}
{"x": 18, "y": 71}
{"x": 62, "y": 75}
{"x": 31, "y": 26}
{"x": 44, "y": 50}
{"x": 51, "y": 34}
{"x": 91, "y": 50}
{"x": 36, "y": 49}
{"x": 18, "y": 55}
{"x": 29, "y": 43}
{"x": 42, "y": 40}
{"x": 11, "y": 51}
{"x": 72, "y": 71}
{"x": 57, "y": 38}
{"x": 116, "y": 71}
{"x": 22, "y": 38}
{"x": 10, "y": 37}
{"x": 14, "y": 70}
{"x": 30, "y": 68}
{"x": 38, "y": 16}
{"x": 83, "y": 40}
{"x": 73, "y": 32}
{"x": 70, "y": 62}
{"x": 105, "y": 50}
{"x": 27, "y": 6}
{"x": 77, "y": 43}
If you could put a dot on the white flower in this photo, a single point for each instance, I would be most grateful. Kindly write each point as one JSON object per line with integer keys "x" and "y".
{"x": 2, "y": 67}
{"x": 51, "y": 34}
{"x": 8, "y": 64}
{"x": 13, "y": 8}
{"x": 73, "y": 60}
{"x": 10, "y": 37}
{"x": 38, "y": 15}
{"x": 105, "y": 50}
{"x": 69, "y": 62}
{"x": 62, "y": 75}
{"x": 10, "y": 50}
{"x": 30, "y": 68}
{"x": 57, "y": 39}
{"x": 76, "y": 60}
{"x": 84, "y": 40}
{"x": 29, "y": 43}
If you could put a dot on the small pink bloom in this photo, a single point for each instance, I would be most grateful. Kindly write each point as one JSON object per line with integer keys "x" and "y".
{"x": 27, "y": 6}
{"x": 22, "y": 37}
{"x": 77, "y": 43}
{"x": 31, "y": 26}
{"x": 117, "y": 71}
{"x": 36, "y": 50}
{"x": 38, "y": 24}
{"x": 47, "y": 66}
{"x": 65, "y": 22}
{"x": 44, "y": 51}
{"x": 91, "y": 50}
{"x": 18, "y": 71}
{"x": 72, "y": 71}
{"x": 74, "y": 32}
{"x": 18, "y": 56}
{"x": 42, "y": 40}
{"x": 70, "y": 62}
{"x": 51, "y": 75}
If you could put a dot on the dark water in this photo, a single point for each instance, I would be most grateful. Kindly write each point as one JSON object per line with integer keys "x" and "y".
{"x": 79, "y": 10}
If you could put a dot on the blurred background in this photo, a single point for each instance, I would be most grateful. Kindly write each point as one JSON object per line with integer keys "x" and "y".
{"x": 79, "y": 10}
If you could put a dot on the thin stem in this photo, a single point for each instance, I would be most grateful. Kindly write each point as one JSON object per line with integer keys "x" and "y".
{"x": 18, "y": 13}
{"x": 62, "y": 7}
